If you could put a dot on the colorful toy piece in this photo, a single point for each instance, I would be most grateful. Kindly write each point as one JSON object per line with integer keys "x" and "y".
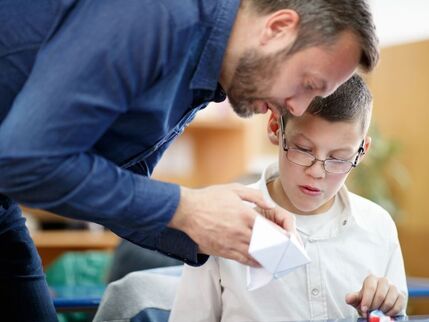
{"x": 378, "y": 316}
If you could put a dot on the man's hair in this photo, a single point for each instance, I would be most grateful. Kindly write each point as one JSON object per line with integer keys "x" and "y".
{"x": 351, "y": 102}
{"x": 322, "y": 21}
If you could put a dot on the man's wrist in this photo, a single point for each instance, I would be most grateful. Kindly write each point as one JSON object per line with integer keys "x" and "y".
{"x": 179, "y": 219}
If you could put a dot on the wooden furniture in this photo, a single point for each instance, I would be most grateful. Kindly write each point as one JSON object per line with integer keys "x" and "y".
{"x": 214, "y": 149}
{"x": 415, "y": 243}
{"x": 51, "y": 244}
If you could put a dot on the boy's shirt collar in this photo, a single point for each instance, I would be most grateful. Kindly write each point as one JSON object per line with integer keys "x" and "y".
{"x": 349, "y": 215}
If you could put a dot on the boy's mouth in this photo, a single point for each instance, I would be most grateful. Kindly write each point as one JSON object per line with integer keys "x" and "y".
{"x": 309, "y": 190}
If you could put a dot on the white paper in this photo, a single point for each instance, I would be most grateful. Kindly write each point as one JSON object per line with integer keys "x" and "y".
{"x": 276, "y": 250}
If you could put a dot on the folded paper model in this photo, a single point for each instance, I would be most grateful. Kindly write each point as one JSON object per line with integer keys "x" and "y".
{"x": 276, "y": 250}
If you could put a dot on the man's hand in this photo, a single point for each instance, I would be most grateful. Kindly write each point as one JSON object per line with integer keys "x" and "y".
{"x": 377, "y": 293}
{"x": 218, "y": 220}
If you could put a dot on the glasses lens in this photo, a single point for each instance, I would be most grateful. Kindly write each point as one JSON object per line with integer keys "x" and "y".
{"x": 300, "y": 157}
{"x": 337, "y": 166}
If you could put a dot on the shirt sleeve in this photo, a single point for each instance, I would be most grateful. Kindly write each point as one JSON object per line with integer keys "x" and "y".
{"x": 198, "y": 297}
{"x": 94, "y": 62}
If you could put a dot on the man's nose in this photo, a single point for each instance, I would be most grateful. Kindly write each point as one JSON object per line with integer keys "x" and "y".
{"x": 298, "y": 105}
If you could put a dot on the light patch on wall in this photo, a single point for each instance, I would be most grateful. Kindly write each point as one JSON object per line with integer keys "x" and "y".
{"x": 401, "y": 21}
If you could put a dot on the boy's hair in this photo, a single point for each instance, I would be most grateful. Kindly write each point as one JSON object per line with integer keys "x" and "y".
{"x": 322, "y": 21}
{"x": 352, "y": 101}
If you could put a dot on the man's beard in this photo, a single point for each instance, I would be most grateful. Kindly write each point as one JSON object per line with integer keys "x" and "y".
{"x": 253, "y": 80}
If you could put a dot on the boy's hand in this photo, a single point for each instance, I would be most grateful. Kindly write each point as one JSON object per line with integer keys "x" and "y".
{"x": 218, "y": 220}
{"x": 377, "y": 293}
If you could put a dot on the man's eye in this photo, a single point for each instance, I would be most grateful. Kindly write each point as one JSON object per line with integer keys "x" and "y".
{"x": 310, "y": 87}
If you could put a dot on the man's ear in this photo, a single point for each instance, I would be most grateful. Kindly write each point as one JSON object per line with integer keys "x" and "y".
{"x": 281, "y": 25}
{"x": 273, "y": 129}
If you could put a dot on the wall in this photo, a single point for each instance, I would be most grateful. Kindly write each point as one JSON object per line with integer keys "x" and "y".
{"x": 400, "y": 86}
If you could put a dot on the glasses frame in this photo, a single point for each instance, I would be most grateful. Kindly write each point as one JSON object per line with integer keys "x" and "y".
{"x": 360, "y": 152}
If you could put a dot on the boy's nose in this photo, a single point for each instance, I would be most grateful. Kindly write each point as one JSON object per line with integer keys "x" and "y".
{"x": 316, "y": 170}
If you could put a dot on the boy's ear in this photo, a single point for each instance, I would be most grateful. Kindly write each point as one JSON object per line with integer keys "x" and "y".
{"x": 273, "y": 129}
{"x": 366, "y": 146}
{"x": 281, "y": 25}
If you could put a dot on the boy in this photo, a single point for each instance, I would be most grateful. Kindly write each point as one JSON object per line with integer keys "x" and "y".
{"x": 357, "y": 263}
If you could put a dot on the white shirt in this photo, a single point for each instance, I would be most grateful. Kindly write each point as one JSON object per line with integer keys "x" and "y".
{"x": 361, "y": 239}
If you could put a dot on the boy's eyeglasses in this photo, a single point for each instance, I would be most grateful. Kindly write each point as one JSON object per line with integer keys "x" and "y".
{"x": 306, "y": 159}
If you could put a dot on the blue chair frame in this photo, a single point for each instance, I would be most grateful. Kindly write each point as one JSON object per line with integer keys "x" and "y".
{"x": 418, "y": 287}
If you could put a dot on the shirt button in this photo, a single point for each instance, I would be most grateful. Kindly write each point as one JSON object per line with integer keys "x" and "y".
{"x": 345, "y": 222}
{"x": 315, "y": 291}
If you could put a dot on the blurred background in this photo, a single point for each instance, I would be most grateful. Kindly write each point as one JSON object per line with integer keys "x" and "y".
{"x": 218, "y": 147}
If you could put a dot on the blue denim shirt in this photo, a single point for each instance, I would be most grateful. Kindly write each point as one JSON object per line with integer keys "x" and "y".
{"x": 113, "y": 83}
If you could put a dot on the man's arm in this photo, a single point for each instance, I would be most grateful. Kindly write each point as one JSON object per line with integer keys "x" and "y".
{"x": 83, "y": 79}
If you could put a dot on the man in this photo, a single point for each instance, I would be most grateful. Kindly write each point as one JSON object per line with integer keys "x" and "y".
{"x": 93, "y": 92}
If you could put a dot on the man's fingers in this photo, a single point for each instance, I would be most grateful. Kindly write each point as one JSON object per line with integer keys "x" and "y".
{"x": 239, "y": 253}
{"x": 220, "y": 222}
{"x": 252, "y": 195}
{"x": 276, "y": 214}
{"x": 280, "y": 217}
{"x": 247, "y": 260}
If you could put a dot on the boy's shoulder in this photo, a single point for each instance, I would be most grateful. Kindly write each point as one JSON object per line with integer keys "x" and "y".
{"x": 370, "y": 214}
{"x": 359, "y": 202}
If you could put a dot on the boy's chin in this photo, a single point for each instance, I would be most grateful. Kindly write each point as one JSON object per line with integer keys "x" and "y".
{"x": 309, "y": 209}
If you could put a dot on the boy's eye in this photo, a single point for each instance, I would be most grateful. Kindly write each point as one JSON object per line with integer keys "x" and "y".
{"x": 301, "y": 148}
{"x": 337, "y": 158}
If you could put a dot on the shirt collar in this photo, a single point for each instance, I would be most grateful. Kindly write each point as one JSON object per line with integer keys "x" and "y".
{"x": 353, "y": 215}
{"x": 207, "y": 72}
{"x": 267, "y": 176}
